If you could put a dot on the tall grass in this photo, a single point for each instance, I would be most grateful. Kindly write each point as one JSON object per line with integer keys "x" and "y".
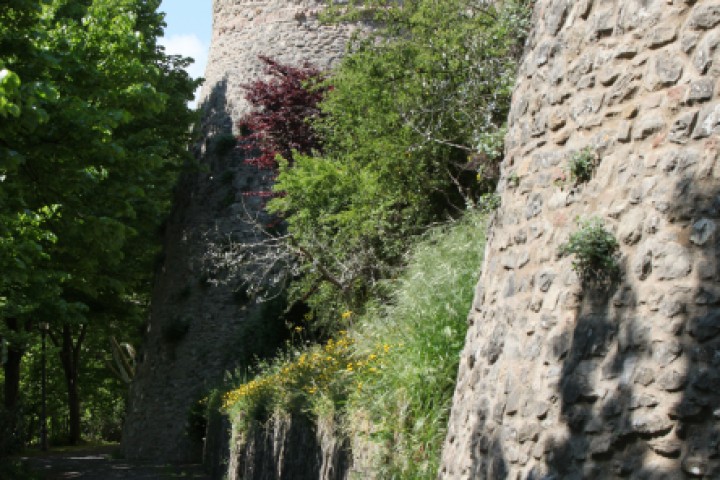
{"x": 390, "y": 378}
{"x": 408, "y": 400}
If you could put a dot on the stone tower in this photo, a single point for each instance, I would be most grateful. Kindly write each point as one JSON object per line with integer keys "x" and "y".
{"x": 199, "y": 328}
{"x": 562, "y": 378}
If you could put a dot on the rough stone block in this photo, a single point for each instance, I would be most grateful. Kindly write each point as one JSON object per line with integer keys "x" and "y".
{"x": 528, "y": 432}
{"x": 644, "y": 376}
{"x": 664, "y": 353}
{"x": 706, "y": 327}
{"x": 700, "y": 91}
{"x": 708, "y": 121}
{"x": 585, "y": 108}
{"x": 671, "y": 261}
{"x": 703, "y": 56}
{"x": 681, "y": 128}
{"x": 705, "y": 16}
{"x": 651, "y": 424}
{"x": 642, "y": 400}
{"x": 702, "y": 231}
{"x": 608, "y": 76}
{"x": 662, "y": 35}
{"x": 666, "y": 447}
{"x": 663, "y": 71}
{"x": 672, "y": 380}
{"x": 555, "y": 16}
{"x": 623, "y": 89}
{"x": 603, "y": 23}
{"x": 648, "y": 125}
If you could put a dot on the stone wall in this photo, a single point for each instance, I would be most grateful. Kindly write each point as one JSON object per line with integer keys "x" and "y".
{"x": 561, "y": 379}
{"x": 203, "y": 325}
{"x": 287, "y": 30}
{"x": 289, "y": 448}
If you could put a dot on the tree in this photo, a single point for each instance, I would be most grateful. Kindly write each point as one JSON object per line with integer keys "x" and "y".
{"x": 284, "y": 105}
{"x": 411, "y": 134}
{"x": 98, "y": 174}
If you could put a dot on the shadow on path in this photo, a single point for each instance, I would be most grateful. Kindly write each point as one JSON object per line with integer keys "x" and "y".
{"x": 97, "y": 463}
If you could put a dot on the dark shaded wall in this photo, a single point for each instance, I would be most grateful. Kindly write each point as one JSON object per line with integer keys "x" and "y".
{"x": 564, "y": 379}
{"x": 202, "y": 323}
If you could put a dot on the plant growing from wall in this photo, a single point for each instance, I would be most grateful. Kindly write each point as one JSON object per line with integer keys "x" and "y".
{"x": 581, "y": 165}
{"x": 596, "y": 252}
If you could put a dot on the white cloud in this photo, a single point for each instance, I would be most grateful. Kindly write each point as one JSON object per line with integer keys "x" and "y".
{"x": 188, "y": 46}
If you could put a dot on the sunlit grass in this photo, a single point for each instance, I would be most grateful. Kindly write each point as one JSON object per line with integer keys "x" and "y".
{"x": 394, "y": 369}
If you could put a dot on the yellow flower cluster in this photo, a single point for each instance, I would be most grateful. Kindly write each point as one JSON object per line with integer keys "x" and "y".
{"x": 315, "y": 371}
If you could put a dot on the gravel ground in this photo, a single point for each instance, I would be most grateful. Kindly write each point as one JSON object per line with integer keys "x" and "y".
{"x": 99, "y": 464}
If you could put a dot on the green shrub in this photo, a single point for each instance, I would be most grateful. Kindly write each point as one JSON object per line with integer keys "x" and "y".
{"x": 596, "y": 252}
{"x": 416, "y": 114}
{"x": 581, "y": 165}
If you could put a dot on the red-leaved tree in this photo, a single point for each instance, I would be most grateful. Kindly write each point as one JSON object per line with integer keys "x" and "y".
{"x": 283, "y": 105}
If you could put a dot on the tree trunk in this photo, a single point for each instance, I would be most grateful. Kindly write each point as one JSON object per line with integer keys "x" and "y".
{"x": 12, "y": 369}
{"x": 70, "y": 358}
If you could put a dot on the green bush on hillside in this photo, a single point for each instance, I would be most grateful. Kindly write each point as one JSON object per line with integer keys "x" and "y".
{"x": 412, "y": 134}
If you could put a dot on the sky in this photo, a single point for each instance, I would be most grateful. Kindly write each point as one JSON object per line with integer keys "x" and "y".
{"x": 188, "y": 31}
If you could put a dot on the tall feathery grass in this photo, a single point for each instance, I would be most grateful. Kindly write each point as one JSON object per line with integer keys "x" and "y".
{"x": 389, "y": 379}
{"x": 408, "y": 402}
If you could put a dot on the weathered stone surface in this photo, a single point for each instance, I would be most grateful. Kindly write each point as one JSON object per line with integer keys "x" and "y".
{"x": 677, "y": 161}
{"x": 648, "y": 125}
{"x": 556, "y": 16}
{"x": 662, "y": 35}
{"x": 702, "y": 231}
{"x": 631, "y": 227}
{"x": 627, "y": 374}
{"x": 705, "y": 16}
{"x": 694, "y": 465}
{"x": 528, "y": 432}
{"x": 681, "y": 128}
{"x": 644, "y": 376}
{"x": 585, "y": 108}
{"x": 686, "y": 409}
{"x": 604, "y": 23}
{"x": 672, "y": 380}
{"x": 642, "y": 264}
{"x": 670, "y": 261}
{"x": 700, "y": 91}
{"x": 666, "y": 447}
{"x": 663, "y": 71}
{"x": 664, "y": 353}
{"x": 706, "y": 327}
{"x": 651, "y": 423}
{"x": 703, "y": 57}
{"x": 708, "y": 121}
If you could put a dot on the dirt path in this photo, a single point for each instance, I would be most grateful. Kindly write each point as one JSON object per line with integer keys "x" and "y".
{"x": 97, "y": 463}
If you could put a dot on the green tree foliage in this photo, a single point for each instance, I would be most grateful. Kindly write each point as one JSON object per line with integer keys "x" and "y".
{"x": 411, "y": 133}
{"x": 94, "y": 126}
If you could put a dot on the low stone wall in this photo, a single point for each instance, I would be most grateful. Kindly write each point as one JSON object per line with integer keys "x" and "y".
{"x": 289, "y": 448}
{"x": 560, "y": 379}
